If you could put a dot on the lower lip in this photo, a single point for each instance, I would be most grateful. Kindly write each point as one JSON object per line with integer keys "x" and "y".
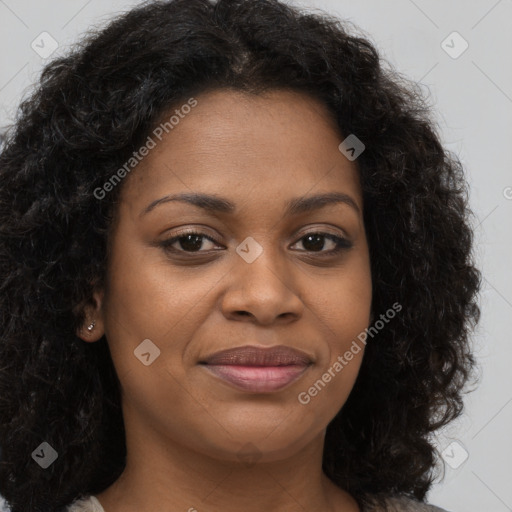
{"x": 258, "y": 379}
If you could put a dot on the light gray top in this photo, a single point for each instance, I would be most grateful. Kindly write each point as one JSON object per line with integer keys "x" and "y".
{"x": 90, "y": 504}
{"x": 398, "y": 504}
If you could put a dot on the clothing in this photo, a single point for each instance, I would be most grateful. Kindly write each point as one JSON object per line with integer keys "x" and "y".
{"x": 88, "y": 504}
{"x": 403, "y": 504}
{"x": 398, "y": 504}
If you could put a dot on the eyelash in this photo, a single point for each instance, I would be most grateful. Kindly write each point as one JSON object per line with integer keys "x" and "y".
{"x": 342, "y": 244}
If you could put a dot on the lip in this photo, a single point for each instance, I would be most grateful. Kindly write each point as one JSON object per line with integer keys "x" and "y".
{"x": 256, "y": 369}
{"x": 250, "y": 355}
{"x": 258, "y": 379}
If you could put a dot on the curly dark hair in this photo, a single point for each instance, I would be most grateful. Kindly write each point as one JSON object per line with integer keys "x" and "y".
{"x": 93, "y": 107}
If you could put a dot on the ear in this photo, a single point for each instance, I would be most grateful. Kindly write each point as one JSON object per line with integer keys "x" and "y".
{"x": 93, "y": 328}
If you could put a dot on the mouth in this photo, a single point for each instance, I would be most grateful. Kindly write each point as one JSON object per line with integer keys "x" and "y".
{"x": 259, "y": 370}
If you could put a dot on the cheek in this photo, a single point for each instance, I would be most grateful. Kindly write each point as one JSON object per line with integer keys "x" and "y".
{"x": 345, "y": 315}
{"x": 347, "y": 302}
{"x": 149, "y": 299}
{"x": 329, "y": 387}
{"x": 143, "y": 295}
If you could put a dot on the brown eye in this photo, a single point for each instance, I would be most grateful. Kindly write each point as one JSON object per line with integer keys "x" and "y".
{"x": 315, "y": 242}
{"x": 191, "y": 241}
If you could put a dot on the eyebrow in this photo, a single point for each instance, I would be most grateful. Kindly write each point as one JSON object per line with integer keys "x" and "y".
{"x": 216, "y": 204}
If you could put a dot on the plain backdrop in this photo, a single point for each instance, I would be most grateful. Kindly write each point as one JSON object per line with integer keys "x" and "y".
{"x": 460, "y": 51}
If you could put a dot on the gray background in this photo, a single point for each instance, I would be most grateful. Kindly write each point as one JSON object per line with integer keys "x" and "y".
{"x": 472, "y": 98}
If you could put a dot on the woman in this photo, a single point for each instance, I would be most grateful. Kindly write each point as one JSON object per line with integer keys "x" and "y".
{"x": 236, "y": 272}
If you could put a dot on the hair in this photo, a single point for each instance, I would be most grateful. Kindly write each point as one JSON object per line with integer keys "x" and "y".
{"x": 92, "y": 107}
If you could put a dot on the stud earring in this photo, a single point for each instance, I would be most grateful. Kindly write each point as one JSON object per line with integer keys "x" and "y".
{"x": 91, "y": 327}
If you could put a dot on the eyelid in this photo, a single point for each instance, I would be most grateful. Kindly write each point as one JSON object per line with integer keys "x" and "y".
{"x": 198, "y": 229}
{"x": 322, "y": 229}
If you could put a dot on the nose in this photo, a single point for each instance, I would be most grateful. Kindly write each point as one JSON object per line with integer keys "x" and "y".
{"x": 263, "y": 292}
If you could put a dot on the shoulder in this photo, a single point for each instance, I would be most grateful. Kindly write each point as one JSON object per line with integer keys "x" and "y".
{"x": 405, "y": 504}
{"x": 87, "y": 504}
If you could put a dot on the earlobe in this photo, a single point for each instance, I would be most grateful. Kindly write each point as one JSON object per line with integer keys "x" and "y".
{"x": 90, "y": 332}
{"x": 92, "y": 328}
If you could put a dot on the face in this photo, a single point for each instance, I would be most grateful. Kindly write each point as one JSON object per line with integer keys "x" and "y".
{"x": 254, "y": 267}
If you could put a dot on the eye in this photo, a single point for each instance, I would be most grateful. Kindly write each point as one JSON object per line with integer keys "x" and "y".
{"x": 193, "y": 242}
{"x": 190, "y": 241}
{"x": 314, "y": 242}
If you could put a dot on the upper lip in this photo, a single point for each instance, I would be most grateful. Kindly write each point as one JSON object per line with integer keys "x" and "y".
{"x": 250, "y": 355}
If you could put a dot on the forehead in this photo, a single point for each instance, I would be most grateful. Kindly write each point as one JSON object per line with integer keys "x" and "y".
{"x": 279, "y": 145}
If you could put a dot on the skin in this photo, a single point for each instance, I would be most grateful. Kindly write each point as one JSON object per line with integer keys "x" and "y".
{"x": 185, "y": 428}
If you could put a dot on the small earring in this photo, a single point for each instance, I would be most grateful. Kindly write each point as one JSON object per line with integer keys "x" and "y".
{"x": 91, "y": 327}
